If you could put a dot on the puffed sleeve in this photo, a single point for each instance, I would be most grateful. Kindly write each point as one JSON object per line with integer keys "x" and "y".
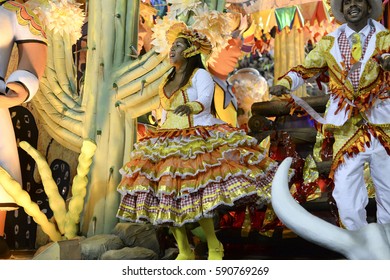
{"x": 27, "y": 31}
{"x": 26, "y": 24}
{"x": 204, "y": 86}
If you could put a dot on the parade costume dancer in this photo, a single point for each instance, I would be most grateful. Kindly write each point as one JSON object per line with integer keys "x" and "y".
{"x": 19, "y": 26}
{"x": 193, "y": 162}
{"x": 358, "y": 112}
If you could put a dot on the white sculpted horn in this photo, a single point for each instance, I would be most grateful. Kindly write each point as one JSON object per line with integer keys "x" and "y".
{"x": 371, "y": 242}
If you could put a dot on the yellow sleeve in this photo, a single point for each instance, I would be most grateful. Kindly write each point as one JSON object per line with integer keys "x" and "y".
{"x": 196, "y": 107}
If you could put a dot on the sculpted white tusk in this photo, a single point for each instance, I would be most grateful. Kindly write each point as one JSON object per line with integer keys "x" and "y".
{"x": 302, "y": 222}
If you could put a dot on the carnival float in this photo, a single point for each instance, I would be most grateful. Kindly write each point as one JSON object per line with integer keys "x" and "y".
{"x": 99, "y": 92}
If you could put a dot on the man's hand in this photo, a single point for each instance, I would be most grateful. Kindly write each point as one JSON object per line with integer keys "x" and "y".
{"x": 279, "y": 90}
{"x": 386, "y": 63}
{"x": 182, "y": 110}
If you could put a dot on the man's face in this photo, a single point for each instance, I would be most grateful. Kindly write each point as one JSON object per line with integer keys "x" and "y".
{"x": 356, "y": 10}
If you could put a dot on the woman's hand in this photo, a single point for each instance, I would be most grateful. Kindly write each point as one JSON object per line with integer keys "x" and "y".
{"x": 182, "y": 110}
{"x": 384, "y": 62}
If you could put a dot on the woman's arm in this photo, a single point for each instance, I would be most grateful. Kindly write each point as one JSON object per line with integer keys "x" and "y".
{"x": 24, "y": 82}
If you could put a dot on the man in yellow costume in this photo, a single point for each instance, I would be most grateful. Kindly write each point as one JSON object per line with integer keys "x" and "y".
{"x": 356, "y": 56}
{"x": 21, "y": 27}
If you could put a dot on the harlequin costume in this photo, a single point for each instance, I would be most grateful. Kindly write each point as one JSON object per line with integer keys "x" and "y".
{"x": 358, "y": 113}
{"x": 18, "y": 25}
{"x": 189, "y": 166}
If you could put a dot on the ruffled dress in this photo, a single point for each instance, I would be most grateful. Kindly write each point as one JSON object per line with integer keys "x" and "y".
{"x": 183, "y": 174}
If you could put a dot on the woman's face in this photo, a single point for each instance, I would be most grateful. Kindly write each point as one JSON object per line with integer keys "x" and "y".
{"x": 176, "y": 57}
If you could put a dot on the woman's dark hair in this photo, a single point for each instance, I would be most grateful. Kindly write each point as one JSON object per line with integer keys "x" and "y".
{"x": 193, "y": 62}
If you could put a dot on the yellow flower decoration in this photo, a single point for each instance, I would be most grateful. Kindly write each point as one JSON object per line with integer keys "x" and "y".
{"x": 60, "y": 16}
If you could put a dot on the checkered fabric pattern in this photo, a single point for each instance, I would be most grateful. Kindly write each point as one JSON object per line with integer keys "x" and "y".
{"x": 345, "y": 50}
{"x": 170, "y": 209}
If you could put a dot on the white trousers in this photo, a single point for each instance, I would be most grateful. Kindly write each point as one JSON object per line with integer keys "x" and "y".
{"x": 350, "y": 191}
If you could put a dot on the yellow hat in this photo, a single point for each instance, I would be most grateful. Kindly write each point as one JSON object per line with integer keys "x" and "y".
{"x": 199, "y": 42}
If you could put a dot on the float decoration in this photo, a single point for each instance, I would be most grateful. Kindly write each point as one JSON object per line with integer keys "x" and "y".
{"x": 60, "y": 16}
{"x": 66, "y": 221}
{"x": 119, "y": 86}
{"x": 57, "y": 100}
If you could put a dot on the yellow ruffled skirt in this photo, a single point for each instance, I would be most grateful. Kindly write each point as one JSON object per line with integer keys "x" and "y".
{"x": 176, "y": 177}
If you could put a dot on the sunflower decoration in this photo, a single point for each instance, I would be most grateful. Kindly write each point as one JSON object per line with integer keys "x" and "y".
{"x": 216, "y": 26}
{"x": 147, "y": 13}
{"x": 182, "y": 7}
{"x": 160, "y": 29}
{"x": 212, "y": 26}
